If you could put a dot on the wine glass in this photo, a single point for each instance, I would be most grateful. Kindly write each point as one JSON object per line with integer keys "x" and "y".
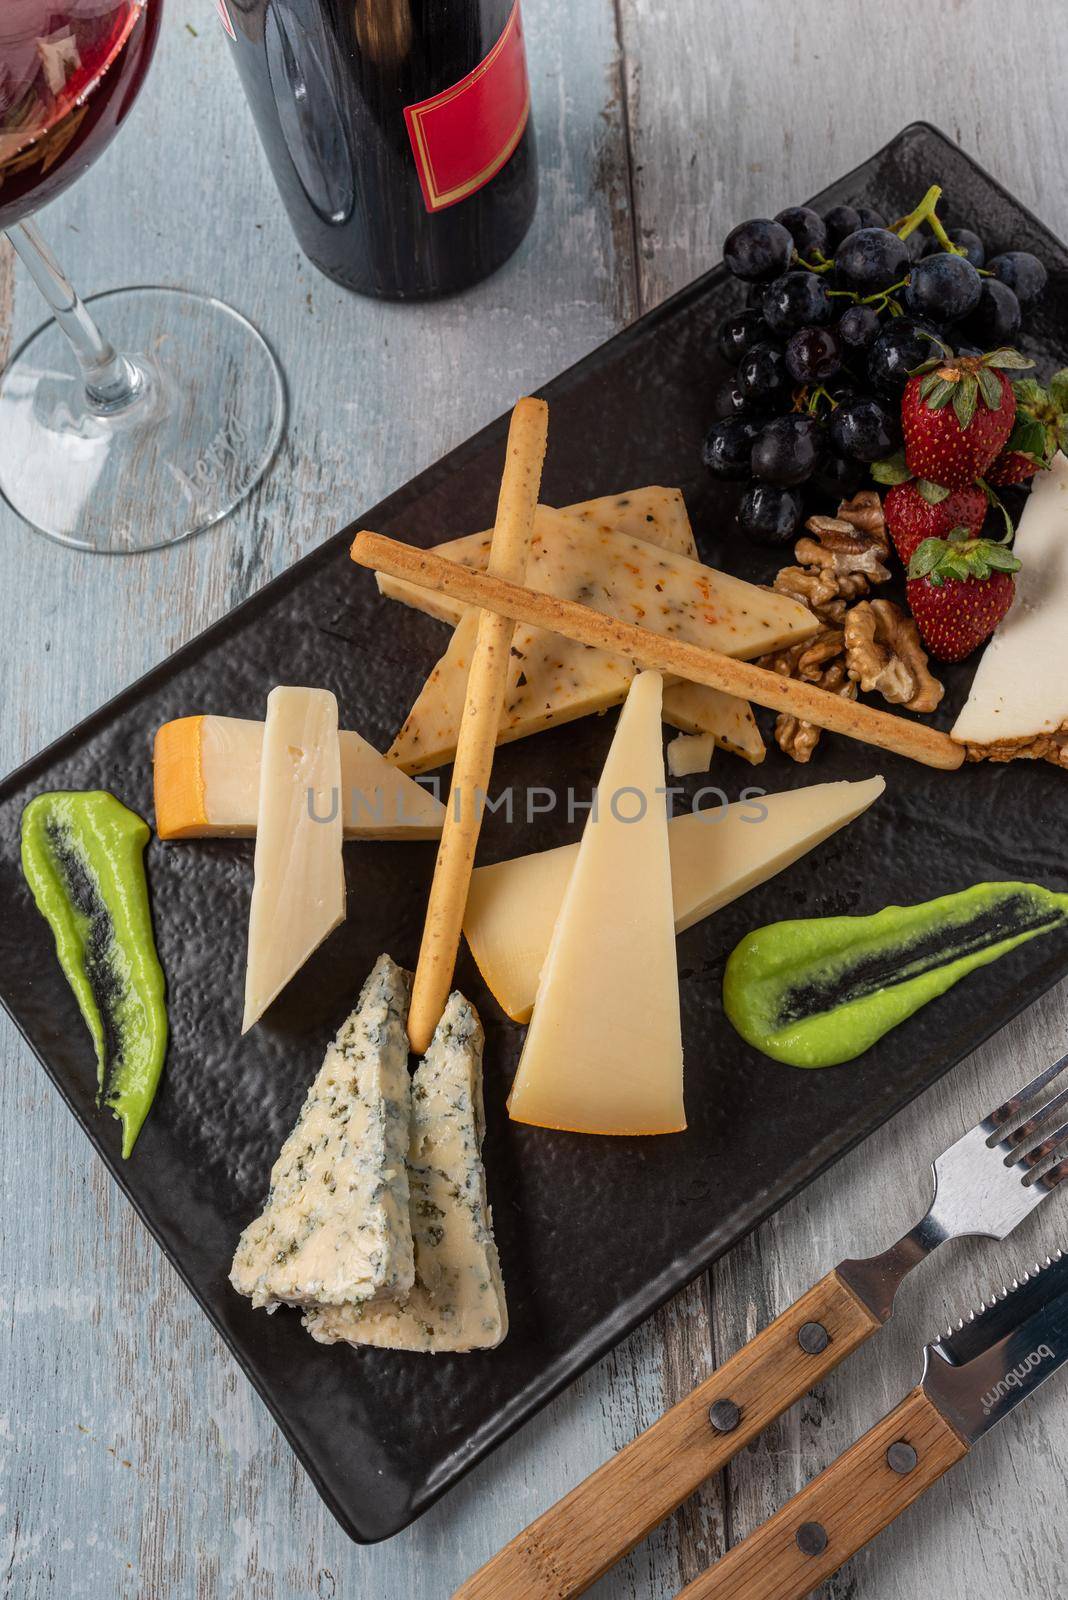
{"x": 137, "y": 443}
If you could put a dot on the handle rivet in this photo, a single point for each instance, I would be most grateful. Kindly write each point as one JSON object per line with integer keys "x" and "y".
{"x": 901, "y": 1457}
{"x": 813, "y": 1338}
{"x": 724, "y": 1416}
{"x": 811, "y": 1538}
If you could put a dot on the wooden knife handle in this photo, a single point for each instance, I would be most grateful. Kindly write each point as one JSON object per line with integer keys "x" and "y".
{"x": 840, "y": 1511}
{"x": 574, "y": 1543}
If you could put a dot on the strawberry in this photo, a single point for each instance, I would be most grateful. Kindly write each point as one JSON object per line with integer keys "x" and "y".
{"x": 911, "y": 517}
{"x": 1014, "y": 466}
{"x": 953, "y": 444}
{"x": 958, "y": 590}
{"x": 1039, "y": 430}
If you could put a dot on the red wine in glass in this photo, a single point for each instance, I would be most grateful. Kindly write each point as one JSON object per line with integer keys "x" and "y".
{"x": 68, "y": 75}
{"x": 135, "y": 444}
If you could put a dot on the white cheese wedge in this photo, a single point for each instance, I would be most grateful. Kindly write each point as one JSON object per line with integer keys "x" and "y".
{"x": 458, "y": 1300}
{"x": 716, "y": 856}
{"x": 298, "y": 894}
{"x": 603, "y": 1053}
{"x": 689, "y": 753}
{"x": 554, "y": 680}
{"x": 336, "y": 1225}
{"x": 1018, "y": 705}
{"x": 206, "y": 773}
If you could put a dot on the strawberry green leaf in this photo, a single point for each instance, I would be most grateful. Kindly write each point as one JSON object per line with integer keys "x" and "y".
{"x": 965, "y": 401}
{"x": 1029, "y": 392}
{"x": 892, "y": 470}
{"x": 933, "y": 493}
{"x": 1058, "y": 389}
{"x": 1007, "y": 360}
{"x": 990, "y": 387}
{"x": 1000, "y": 559}
{"x": 1028, "y": 438}
{"x": 1062, "y": 433}
{"x": 926, "y": 557}
{"x": 928, "y": 383}
{"x": 941, "y": 395}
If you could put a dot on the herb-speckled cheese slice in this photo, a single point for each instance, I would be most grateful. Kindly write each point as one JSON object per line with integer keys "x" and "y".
{"x": 553, "y": 680}
{"x": 656, "y": 515}
{"x": 336, "y": 1226}
{"x": 458, "y": 1300}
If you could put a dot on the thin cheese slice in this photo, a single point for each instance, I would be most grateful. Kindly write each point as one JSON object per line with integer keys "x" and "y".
{"x": 298, "y": 894}
{"x": 656, "y": 515}
{"x": 603, "y": 1053}
{"x": 1018, "y": 705}
{"x": 716, "y": 856}
{"x": 206, "y": 773}
{"x": 553, "y": 680}
{"x": 458, "y": 1300}
{"x": 336, "y": 1225}
{"x": 689, "y": 753}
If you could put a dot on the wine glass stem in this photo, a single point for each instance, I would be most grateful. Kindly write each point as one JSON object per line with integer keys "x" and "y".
{"x": 111, "y": 381}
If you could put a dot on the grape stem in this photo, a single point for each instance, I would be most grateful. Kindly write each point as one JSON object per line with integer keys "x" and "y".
{"x": 926, "y": 212}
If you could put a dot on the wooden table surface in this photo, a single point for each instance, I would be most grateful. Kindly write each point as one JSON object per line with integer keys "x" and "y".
{"x": 134, "y": 1458}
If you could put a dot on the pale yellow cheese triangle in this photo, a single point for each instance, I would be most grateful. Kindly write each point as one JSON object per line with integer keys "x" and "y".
{"x": 717, "y": 855}
{"x": 298, "y": 894}
{"x": 603, "y": 1053}
{"x": 553, "y": 680}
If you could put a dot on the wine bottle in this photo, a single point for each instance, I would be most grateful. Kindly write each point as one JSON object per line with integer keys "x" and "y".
{"x": 399, "y": 133}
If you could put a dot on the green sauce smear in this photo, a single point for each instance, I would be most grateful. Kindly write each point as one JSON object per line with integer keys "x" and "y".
{"x": 83, "y": 858}
{"x": 821, "y": 990}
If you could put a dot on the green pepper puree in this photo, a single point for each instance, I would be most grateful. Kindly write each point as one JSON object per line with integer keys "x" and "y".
{"x": 821, "y": 990}
{"x": 83, "y": 858}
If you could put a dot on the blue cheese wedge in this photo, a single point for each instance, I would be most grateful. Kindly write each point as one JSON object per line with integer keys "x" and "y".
{"x": 458, "y": 1301}
{"x": 336, "y": 1228}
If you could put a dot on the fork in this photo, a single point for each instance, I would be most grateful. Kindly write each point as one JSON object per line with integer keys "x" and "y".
{"x": 984, "y": 1186}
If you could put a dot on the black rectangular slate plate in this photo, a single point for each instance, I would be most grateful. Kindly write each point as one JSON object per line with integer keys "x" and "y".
{"x": 593, "y": 1233}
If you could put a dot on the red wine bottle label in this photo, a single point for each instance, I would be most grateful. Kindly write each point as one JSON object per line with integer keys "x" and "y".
{"x": 462, "y": 137}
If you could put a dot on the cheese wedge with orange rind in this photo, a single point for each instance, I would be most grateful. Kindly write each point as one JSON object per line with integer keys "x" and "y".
{"x": 206, "y": 774}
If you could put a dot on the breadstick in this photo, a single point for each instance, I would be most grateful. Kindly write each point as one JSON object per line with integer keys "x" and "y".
{"x": 916, "y": 740}
{"x": 477, "y": 737}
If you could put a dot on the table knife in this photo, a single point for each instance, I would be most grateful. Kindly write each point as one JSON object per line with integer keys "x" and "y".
{"x": 985, "y": 1185}
{"x": 973, "y": 1377}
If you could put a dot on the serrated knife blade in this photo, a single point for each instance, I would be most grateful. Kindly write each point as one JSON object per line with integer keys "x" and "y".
{"x": 1002, "y": 1353}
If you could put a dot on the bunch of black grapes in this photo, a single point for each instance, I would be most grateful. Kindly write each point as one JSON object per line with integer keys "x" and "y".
{"x": 840, "y": 310}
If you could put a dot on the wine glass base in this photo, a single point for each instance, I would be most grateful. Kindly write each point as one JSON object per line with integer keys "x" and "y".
{"x": 200, "y": 435}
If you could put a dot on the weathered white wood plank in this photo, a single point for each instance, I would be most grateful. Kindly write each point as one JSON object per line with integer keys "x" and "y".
{"x": 103, "y": 1358}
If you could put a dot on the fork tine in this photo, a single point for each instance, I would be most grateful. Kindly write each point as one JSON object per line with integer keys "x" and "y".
{"x": 1033, "y": 1126}
{"x": 1053, "y": 1145}
{"x": 1018, "y": 1107}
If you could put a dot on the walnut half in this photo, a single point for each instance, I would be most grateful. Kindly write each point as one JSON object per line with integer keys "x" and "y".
{"x": 884, "y": 655}
{"x": 840, "y": 558}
